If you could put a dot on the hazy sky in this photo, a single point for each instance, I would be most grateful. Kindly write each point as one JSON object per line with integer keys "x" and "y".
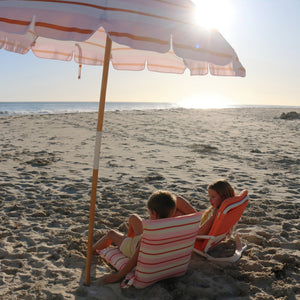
{"x": 264, "y": 33}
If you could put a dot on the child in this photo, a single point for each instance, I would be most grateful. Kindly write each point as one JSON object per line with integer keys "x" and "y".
{"x": 217, "y": 192}
{"x": 161, "y": 204}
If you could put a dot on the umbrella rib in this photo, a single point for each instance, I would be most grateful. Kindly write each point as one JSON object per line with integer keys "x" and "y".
{"x": 174, "y": 4}
{"x": 198, "y": 49}
{"x": 138, "y": 38}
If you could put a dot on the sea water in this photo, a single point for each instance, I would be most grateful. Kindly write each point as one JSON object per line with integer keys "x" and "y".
{"x": 32, "y": 108}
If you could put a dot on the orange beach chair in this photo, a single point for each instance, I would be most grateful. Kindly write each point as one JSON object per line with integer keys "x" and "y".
{"x": 228, "y": 215}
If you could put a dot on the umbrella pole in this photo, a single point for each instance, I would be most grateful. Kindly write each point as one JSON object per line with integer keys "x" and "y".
{"x": 96, "y": 159}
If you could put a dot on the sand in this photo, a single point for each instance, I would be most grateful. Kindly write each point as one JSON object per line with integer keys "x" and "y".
{"x": 45, "y": 179}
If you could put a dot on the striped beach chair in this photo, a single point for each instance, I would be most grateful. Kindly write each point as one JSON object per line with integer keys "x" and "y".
{"x": 165, "y": 251}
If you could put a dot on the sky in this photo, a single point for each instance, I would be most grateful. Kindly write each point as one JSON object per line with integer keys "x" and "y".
{"x": 264, "y": 34}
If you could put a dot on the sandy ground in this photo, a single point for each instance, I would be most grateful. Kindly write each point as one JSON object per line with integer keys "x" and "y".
{"x": 45, "y": 179}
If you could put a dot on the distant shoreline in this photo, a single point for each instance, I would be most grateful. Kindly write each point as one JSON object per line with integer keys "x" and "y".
{"x": 63, "y": 107}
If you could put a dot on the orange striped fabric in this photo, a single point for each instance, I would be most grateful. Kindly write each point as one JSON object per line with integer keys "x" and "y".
{"x": 225, "y": 219}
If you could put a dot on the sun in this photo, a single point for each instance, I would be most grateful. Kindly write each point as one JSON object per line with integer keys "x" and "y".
{"x": 209, "y": 101}
{"x": 217, "y": 14}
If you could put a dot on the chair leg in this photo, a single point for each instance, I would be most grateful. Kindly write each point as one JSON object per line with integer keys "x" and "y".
{"x": 238, "y": 242}
{"x": 240, "y": 247}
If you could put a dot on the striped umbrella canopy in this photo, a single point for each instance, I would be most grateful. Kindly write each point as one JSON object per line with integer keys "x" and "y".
{"x": 161, "y": 34}
{"x": 131, "y": 34}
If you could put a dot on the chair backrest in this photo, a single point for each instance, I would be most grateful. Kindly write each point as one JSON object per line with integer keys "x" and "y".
{"x": 166, "y": 248}
{"x": 228, "y": 215}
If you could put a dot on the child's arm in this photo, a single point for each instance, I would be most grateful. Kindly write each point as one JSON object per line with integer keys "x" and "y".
{"x": 135, "y": 225}
{"x": 183, "y": 207}
{"x": 115, "y": 277}
{"x": 206, "y": 226}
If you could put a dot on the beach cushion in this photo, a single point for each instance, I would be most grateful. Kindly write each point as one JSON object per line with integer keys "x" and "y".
{"x": 165, "y": 250}
{"x": 114, "y": 257}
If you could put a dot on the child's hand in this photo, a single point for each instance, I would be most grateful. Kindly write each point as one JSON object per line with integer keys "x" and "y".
{"x": 111, "y": 278}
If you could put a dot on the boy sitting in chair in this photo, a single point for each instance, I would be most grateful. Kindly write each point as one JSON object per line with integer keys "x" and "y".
{"x": 161, "y": 204}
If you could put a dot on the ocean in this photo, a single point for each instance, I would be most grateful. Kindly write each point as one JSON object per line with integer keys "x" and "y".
{"x": 32, "y": 108}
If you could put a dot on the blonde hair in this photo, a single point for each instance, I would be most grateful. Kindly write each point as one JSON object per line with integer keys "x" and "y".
{"x": 223, "y": 188}
{"x": 163, "y": 203}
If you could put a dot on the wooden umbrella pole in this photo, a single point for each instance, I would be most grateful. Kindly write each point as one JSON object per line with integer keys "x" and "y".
{"x": 96, "y": 159}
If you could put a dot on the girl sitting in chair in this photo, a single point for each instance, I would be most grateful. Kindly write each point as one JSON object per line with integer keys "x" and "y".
{"x": 217, "y": 191}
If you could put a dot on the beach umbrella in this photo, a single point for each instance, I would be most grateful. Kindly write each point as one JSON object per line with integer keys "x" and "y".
{"x": 131, "y": 34}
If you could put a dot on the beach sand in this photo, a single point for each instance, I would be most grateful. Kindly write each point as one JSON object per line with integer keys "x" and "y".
{"x": 45, "y": 179}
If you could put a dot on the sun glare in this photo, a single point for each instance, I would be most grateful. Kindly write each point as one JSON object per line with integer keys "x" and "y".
{"x": 206, "y": 102}
{"x": 216, "y": 14}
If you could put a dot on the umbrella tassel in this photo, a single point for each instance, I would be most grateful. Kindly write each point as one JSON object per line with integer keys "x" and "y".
{"x": 79, "y": 72}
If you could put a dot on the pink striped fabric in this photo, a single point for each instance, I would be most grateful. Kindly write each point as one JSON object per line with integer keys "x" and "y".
{"x": 114, "y": 257}
{"x": 166, "y": 248}
{"x": 165, "y": 251}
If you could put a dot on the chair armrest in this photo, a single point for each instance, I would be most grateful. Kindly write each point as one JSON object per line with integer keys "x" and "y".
{"x": 203, "y": 237}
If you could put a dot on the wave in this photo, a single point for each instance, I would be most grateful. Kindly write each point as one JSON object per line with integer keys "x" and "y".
{"x": 39, "y": 108}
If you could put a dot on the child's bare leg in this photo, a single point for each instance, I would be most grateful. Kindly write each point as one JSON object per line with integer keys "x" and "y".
{"x": 111, "y": 236}
{"x": 135, "y": 223}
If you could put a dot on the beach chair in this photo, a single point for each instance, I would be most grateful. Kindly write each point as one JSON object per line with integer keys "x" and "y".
{"x": 228, "y": 215}
{"x": 165, "y": 250}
